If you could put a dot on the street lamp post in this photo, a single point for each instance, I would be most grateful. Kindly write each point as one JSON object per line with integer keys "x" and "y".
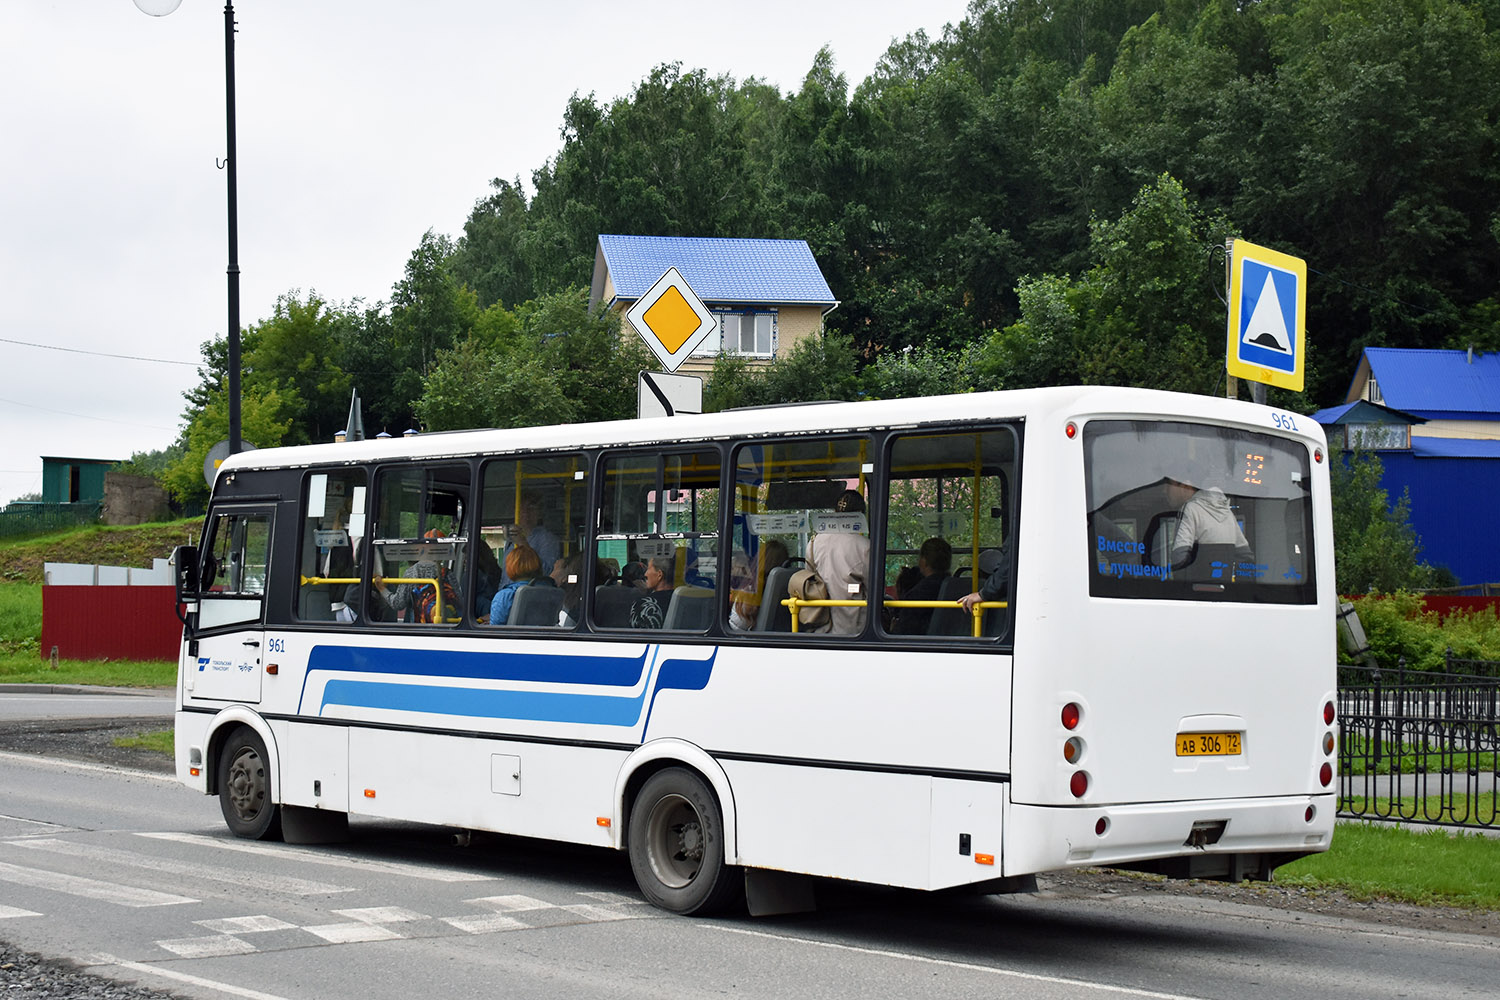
{"x": 160, "y": 8}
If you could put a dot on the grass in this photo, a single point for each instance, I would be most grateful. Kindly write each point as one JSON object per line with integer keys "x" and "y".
{"x": 159, "y": 740}
{"x": 1404, "y": 758}
{"x": 22, "y": 561}
{"x": 21, "y": 661}
{"x": 1380, "y": 862}
{"x": 1460, "y": 810}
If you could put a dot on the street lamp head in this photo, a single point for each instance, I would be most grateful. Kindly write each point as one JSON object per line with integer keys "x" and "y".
{"x": 158, "y": 8}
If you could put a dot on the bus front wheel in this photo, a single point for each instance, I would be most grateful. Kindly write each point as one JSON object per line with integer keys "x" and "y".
{"x": 245, "y": 793}
{"x": 677, "y": 845}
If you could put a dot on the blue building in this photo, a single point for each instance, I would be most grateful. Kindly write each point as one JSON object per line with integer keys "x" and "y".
{"x": 1433, "y": 418}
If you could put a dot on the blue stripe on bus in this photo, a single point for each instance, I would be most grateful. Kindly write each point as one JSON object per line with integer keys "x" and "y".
{"x": 529, "y": 706}
{"x": 611, "y": 671}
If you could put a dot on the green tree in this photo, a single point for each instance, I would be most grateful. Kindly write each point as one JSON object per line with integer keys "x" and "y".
{"x": 561, "y": 364}
{"x": 264, "y": 421}
{"x": 1376, "y": 549}
{"x": 295, "y": 353}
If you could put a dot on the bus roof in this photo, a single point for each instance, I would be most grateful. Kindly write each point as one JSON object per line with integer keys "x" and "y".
{"x": 818, "y": 418}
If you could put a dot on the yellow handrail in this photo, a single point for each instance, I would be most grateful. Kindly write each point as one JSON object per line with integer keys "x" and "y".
{"x": 315, "y": 580}
{"x": 980, "y": 607}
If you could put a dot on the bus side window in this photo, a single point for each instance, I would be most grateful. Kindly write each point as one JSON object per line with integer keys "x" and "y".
{"x": 947, "y": 529}
{"x": 333, "y": 525}
{"x": 538, "y": 503}
{"x": 785, "y": 494}
{"x": 419, "y": 538}
{"x": 660, "y": 523}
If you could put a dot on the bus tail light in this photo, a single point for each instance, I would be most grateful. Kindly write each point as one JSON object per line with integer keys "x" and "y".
{"x": 1327, "y": 744}
{"x": 1101, "y": 827}
{"x": 1073, "y": 750}
{"x": 1070, "y": 715}
{"x": 1079, "y": 783}
{"x": 1328, "y": 713}
{"x": 1312, "y": 811}
{"x": 1325, "y": 774}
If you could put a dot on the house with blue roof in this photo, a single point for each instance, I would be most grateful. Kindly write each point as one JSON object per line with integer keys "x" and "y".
{"x": 766, "y": 294}
{"x": 1433, "y": 417}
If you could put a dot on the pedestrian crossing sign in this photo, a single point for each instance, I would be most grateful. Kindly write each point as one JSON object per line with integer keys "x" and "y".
{"x": 1267, "y": 315}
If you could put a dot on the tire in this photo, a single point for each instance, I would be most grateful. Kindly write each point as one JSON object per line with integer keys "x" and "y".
{"x": 246, "y": 796}
{"x": 677, "y": 845}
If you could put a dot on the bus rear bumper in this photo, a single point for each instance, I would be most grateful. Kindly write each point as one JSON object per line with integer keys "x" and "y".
{"x": 1224, "y": 838}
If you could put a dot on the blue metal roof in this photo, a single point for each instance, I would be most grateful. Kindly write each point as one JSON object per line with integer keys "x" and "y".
{"x": 750, "y": 271}
{"x": 1435, "y": 447}
{"x": 1437, "y": 384}
{"x": 1363, "y": 412}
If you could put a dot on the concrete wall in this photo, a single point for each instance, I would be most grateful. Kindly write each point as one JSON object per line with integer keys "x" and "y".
{"x": 133, "y": 499}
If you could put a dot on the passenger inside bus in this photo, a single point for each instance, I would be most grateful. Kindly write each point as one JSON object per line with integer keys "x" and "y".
{"x": 933, "y": 561}
{"x": 746, "y": 601}
{"x": 523, "y": 569}
{"x": 650, "y": 609}
{"x": 842, "y": 558}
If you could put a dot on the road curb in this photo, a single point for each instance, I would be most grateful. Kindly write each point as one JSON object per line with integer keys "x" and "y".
{"x": 79, "y": 689}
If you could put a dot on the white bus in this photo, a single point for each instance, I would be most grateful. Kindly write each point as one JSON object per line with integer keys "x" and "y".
{"x": 1140, "y": 686}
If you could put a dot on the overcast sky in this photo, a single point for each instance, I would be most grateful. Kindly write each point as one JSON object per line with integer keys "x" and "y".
{"x": 361, "y": 124}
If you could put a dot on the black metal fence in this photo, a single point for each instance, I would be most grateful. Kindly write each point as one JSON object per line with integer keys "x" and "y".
{"x": 1420, "y": 746}
{"x": 28, "y": 518}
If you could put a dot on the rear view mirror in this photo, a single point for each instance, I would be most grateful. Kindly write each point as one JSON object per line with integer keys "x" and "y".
{"x": 185, "y": 573}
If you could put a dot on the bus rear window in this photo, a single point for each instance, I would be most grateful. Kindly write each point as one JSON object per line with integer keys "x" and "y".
{"x": 1193, "y": 512}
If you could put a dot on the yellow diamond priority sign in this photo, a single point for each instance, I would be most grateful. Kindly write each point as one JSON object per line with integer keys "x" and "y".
{"x": 671, "y": 319}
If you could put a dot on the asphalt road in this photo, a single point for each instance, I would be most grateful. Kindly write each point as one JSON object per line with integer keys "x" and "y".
{"x": 135, "y": 877}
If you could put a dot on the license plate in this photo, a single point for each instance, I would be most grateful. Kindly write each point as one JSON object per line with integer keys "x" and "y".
{"x": 1208, "y": 744}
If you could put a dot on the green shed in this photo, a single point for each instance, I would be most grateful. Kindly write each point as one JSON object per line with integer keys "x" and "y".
{"x": 74, "y": 480}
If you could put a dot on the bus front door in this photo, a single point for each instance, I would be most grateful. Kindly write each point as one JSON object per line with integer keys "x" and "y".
{"x": 230, "y": 625}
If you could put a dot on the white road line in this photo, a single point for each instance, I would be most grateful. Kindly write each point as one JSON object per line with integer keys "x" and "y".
{"x": 1033, "y": 977}
{"x": 11, "y": 911}
{"x": 271, "y": 883}
{"x": 78, "y": 765}
{"x": 283, "y": 852}
{"x": 74, "y": 885}
{"x": 183, "y": 977}
{"x": 36, "y": 822}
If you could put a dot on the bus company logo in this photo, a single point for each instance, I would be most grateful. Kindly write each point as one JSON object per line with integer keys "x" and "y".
{"x": 202, "y": 663}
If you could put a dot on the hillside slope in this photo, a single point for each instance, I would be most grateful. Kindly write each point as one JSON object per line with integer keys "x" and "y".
{"x": 123, "y": 546}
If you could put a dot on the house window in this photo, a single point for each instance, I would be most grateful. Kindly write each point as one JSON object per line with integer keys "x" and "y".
{"x": 1370, "y": 437}
{"x": 752, "y": 334}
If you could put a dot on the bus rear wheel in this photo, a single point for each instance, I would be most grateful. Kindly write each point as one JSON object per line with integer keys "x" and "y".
{"x": 245, "y": 792}
{"x": 677, "y": 845}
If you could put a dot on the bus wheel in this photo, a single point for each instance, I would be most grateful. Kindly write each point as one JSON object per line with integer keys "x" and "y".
{"x": 677, "y": 845}
{"x": 245, "y": 787}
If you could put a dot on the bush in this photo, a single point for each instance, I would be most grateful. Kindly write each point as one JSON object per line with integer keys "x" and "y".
{"x": 1397, "y": 625}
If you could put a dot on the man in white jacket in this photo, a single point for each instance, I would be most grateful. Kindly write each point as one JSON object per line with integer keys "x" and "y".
{"x": 1204, "y": 518}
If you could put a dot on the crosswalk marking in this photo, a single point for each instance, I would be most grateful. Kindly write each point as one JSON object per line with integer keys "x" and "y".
{"x": 487, "y": 924}
{"x": 382, "y": 914}
{"x": 283, "y": 853}
{"x": 75, "y": 885}
{"x": 245, "y": 925}
{"x": 214, "y": 946}
{"x": 382, "y": 923}
{"x": 352, "y": 933}
{"x": 509, "y": 904}
{"x": 271, "y": 883}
